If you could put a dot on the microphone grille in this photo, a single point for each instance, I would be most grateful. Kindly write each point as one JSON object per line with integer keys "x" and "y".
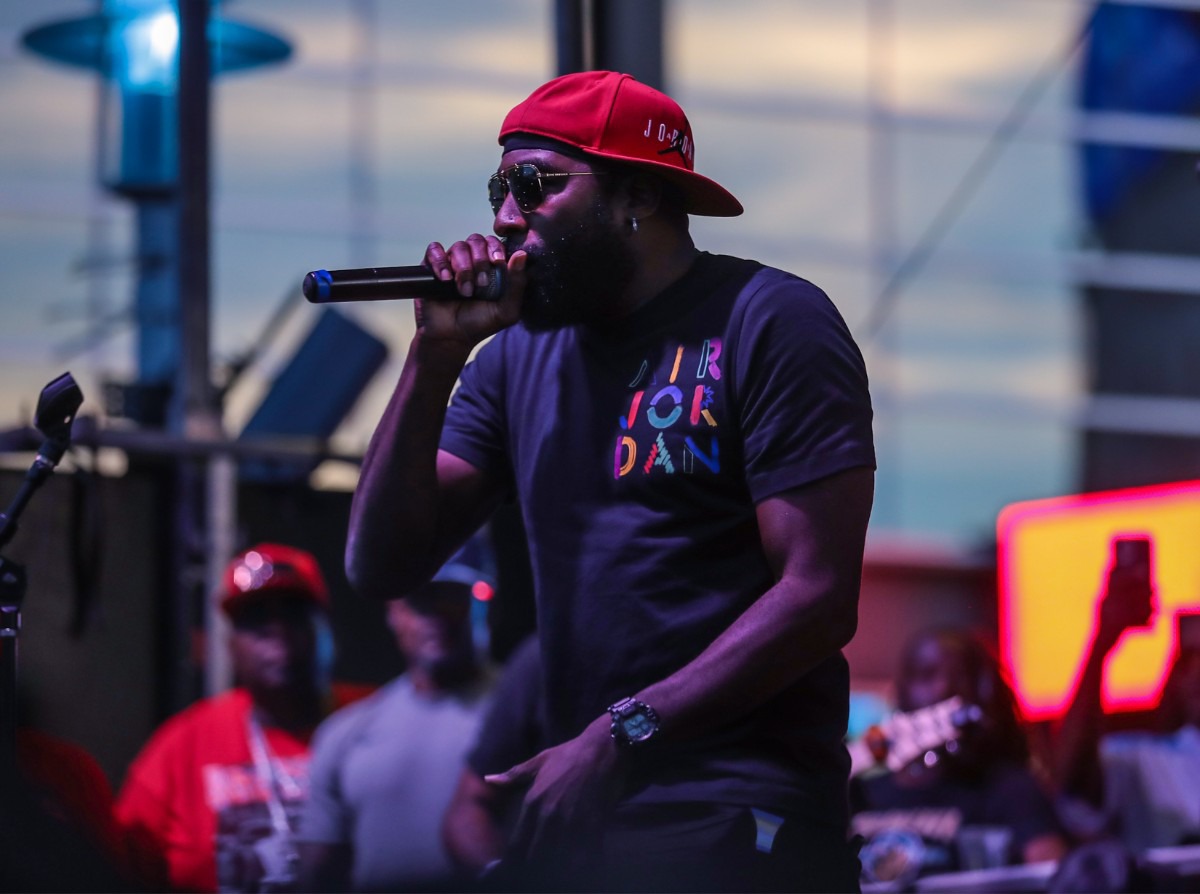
{"x": 497, "y": 283}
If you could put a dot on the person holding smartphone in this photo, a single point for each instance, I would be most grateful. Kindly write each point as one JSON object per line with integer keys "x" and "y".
{"x": 1142, "y": 787}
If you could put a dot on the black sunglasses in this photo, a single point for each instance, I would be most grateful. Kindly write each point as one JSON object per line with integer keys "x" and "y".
{"x": 525, "y": 183}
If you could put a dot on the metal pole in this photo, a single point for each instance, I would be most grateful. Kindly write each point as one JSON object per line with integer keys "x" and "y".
{"x": 569, "y": 36}
{"x": 193, "y": 413}
{"x": 627, "y": 36}
{"x": 222, "y": 523}
{"x": 12, "y": 594}
{"x": 195, "y": 384}
{"x": 363, "y": 134}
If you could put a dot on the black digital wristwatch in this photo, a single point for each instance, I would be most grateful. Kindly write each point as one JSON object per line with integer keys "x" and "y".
{"x": 633, "y": 722}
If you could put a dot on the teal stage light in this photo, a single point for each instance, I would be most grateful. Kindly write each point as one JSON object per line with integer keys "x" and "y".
{"x": 134, "y": 46}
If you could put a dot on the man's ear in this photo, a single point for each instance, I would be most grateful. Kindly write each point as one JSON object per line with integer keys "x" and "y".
{"x": 644, "y": 194}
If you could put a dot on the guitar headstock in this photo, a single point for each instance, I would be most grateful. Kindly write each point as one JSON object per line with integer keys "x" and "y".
{"x": 912, "y": 734}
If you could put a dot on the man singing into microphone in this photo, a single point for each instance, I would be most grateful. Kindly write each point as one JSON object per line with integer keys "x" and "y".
{"x": 689, "y": 438}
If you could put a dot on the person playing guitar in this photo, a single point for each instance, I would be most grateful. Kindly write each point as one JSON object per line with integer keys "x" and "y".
{"x": 956, "y": 757}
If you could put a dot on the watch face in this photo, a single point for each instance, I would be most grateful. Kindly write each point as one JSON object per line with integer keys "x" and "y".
{"x": 637, "y": 726}
{"x": 633, "y": 721}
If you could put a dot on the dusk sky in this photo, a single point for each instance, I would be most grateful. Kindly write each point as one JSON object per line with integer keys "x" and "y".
{"x": 844, "y": 126}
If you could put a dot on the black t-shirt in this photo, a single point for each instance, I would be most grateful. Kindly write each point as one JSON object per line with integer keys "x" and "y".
{"x": 513, "y": 729}
{"x": 638, "y": 452}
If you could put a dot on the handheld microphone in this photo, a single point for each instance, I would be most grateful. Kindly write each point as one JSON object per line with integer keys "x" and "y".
{"x": 387, "y": 283}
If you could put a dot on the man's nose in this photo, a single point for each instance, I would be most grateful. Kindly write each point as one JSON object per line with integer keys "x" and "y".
{"x": 509, "y": 220}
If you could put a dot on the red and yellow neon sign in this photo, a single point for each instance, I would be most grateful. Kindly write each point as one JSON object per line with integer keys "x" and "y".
{"x": 1053, "y": 560}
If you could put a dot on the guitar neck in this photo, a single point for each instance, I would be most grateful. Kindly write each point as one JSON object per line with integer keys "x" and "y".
{"x": 903, "y": 737}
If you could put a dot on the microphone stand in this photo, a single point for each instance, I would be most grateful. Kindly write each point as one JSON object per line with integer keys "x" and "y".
{"x": 57, "y": 405}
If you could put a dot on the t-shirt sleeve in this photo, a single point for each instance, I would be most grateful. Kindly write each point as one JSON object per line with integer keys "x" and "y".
{"x": 474, "y": 426}
{"x": 801, "y": 385}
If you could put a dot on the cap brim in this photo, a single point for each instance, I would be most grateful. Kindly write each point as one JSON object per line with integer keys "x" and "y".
{"x": 702, "y": 196}
{"x": 234, "y": 602}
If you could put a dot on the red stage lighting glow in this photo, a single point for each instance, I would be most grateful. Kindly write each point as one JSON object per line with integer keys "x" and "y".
{"x": 1053, "y": 561}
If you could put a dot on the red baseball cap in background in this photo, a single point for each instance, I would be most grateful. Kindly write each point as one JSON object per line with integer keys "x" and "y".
{"x": 613, "y": 116}
{"x": 272, "y": 569}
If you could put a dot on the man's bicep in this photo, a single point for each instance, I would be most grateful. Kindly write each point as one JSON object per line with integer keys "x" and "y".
{"x": 813, "y": 538}
{"x": 818, "y": 529}
{"x": 469, "y": 496}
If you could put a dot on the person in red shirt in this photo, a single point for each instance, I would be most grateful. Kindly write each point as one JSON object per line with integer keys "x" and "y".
{"x": 57, "y": 831}
{"x": 211, "y": 800}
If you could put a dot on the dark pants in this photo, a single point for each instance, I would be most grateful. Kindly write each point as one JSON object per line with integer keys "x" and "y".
{"x": 695, "y": 847}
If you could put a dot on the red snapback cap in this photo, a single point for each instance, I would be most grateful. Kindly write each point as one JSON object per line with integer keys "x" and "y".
{"x": 614, "y": 116}
{"x": 272, "y": 569}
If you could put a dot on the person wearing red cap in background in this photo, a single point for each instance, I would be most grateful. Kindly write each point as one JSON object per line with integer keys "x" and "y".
{"x": 689, "y": 438}
{"x": 211, "y": 801}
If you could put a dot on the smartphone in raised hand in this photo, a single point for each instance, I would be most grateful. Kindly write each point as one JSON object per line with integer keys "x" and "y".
{"x": 1132, "y": 552}
{"x": 1131, "y": 578}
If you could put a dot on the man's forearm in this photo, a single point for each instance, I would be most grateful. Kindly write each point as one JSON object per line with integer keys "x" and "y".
{"x": 1076, "y": 752}
{"x": 397, "y": 497}
{"x": 813, "y": 539}
{"x": 788, "y": 631}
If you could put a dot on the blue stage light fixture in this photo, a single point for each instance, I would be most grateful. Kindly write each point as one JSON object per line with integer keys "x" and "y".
{"x": 134, "y": 46}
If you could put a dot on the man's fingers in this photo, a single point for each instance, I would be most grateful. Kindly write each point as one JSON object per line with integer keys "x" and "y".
{"x": 522, "y": 772}
{"x": 435, "y": 260}
{"x": 516, "y": 271}
{"x": 468, "y": 262}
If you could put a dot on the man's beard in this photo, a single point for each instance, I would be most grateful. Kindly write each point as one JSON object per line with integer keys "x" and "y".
{"x": 575, "y": 279}
{"x": 453, "y": 668}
